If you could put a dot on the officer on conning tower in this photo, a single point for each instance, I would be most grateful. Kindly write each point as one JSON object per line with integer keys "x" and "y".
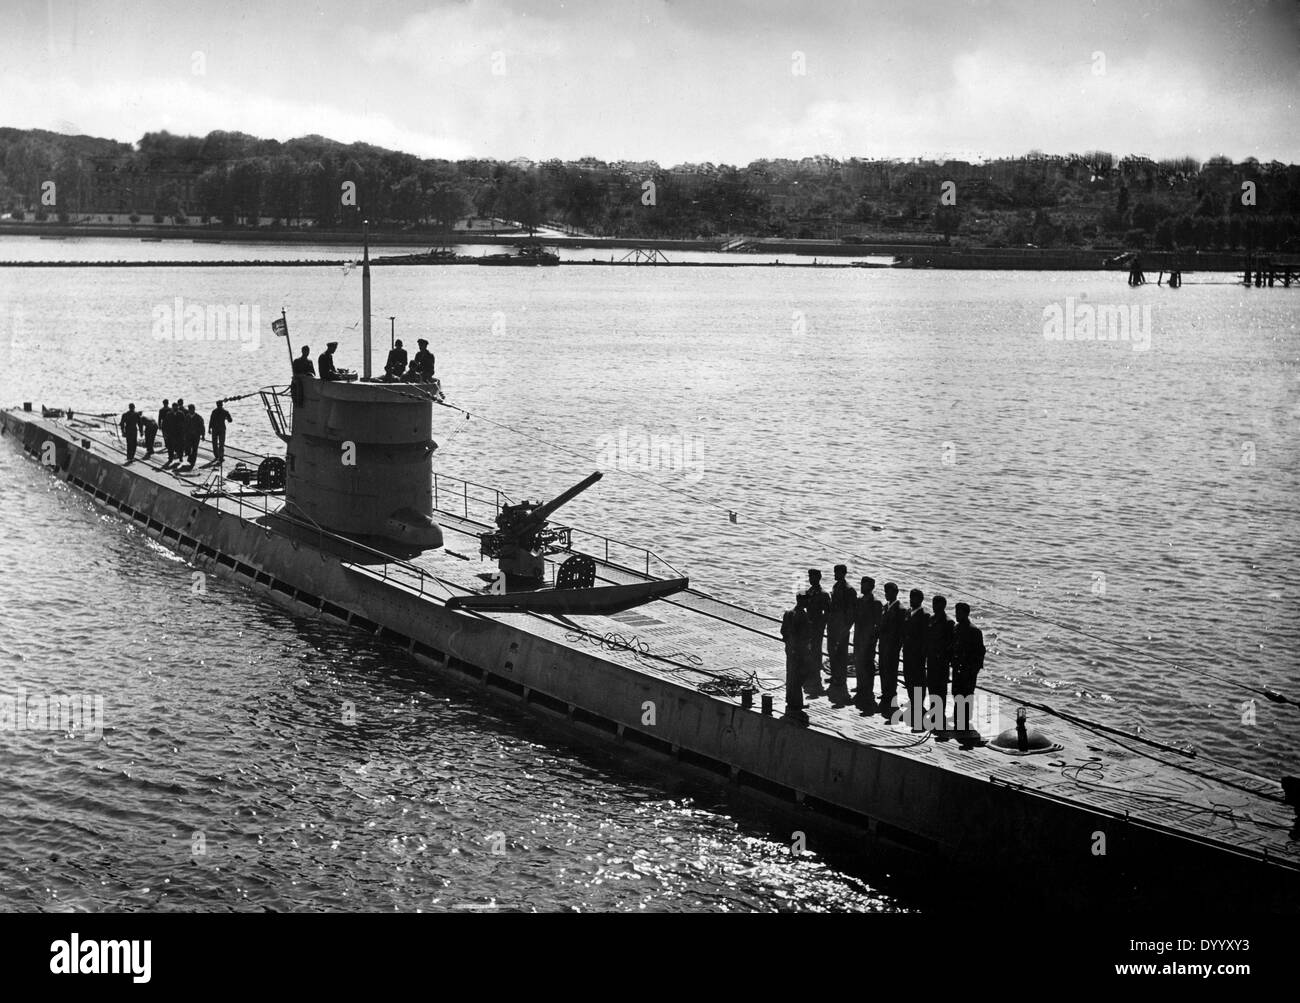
{"x": 326, "y": 362}
{"x": 422, "y": 364}
{"x": 302, "y": 366}
{"x": 395, "y": 368}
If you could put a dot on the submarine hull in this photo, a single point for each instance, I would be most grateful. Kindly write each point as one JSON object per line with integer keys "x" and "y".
{"x": 974, "y": 813}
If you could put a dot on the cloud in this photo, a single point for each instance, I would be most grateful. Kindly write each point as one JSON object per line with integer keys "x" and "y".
{"x": 673, "y": 81}
{"x": 125, "y": 110}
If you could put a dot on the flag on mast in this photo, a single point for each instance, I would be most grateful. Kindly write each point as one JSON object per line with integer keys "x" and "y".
{"x": 281, "y": 327}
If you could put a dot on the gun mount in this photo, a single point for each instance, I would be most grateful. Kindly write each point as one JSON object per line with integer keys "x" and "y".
{"x": 522, "y": 539}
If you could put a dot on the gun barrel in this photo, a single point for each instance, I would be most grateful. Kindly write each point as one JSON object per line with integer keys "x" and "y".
{"x": 543, "y": 512}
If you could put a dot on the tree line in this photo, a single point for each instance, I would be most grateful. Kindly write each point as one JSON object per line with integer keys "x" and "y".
{"x": 233, "y": 179}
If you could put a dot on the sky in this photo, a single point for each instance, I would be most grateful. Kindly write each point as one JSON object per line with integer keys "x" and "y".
{"x": 722, "y": 81}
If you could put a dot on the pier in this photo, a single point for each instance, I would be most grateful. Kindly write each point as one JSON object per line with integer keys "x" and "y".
{"x": 1267, "y": 273}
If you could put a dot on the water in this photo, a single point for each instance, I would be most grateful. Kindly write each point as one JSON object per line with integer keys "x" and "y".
{"x": 919, "y": 419}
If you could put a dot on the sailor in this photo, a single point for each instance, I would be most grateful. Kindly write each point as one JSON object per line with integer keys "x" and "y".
{"x": 839, "y": 623}
{"x": 193, "y": 425}
{"x": 302, "y": 365}
{"x": 217, "y": 422}
{"x": 794, "y": 632}
{"x": 967, "y": 660}
{"x": 178, "y": 427}
{"x": 914, "y": 635}
{"x": 175, "y": 424}
{"x": 938, "y": 658}
{"x": 326, "y": 362}
{"x": 164, "y": 427}
{"x": 302, "y": 368}
{"x": 866, "y": 630}
{"x": 421, "y": 370}
{"x": 396, "y": 365}
{"x": 150, "y": 429}
{"x": 893, "y": 619}
{"x": 818, "y": 609}
{"x": 129, "y": 423}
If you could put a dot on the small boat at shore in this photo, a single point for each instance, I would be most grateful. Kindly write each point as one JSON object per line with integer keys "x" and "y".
{"x": 528, "y": 254}
{"x": 434, "y": 256}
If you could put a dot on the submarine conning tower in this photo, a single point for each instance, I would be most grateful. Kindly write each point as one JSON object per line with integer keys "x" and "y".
{"x": 360, "y": 459}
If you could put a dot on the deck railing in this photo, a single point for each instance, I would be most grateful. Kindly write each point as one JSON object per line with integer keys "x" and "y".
{"x": 481, "y": 503}
{"x": 452, "y": 495}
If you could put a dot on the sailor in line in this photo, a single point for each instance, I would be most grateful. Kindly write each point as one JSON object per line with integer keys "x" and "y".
{"x": 967, "y": 660}
{"x": 915, "y": 629}
{"x": 893, "y": 619}
{"x": 938, "y": 658}
{"x": 129, "y": 423}
{"x": 165, "y": 427}
{"x": 217, "y": 423}
{"x": 178, "y": 429}
{"x": 818, "y": 604}
{"x": 794, "y": 633}
{"x": 936, "y": 652}
{"x": 839, "y": 623}
{"x": 193, "y": 426}
{"x": 866, "y": 631}
{"x": 174, "y": 426}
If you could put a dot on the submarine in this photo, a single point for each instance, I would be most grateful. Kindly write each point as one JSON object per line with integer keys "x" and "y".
{"x": 608, "y": 643}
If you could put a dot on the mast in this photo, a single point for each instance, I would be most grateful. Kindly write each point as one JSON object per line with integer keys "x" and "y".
{"x": 365, "y": 300}
{"x": 284, "y": 320}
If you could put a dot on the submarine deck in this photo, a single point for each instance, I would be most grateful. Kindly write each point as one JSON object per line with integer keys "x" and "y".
{"x": 1125, "y": 776}
{"x": 691, "y": 638}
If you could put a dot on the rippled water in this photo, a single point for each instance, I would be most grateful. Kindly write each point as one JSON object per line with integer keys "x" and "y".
{"x": 919, "y": 419}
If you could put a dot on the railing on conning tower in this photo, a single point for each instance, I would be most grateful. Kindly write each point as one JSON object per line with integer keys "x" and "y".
{"x": 275, "y": 410}
{"x": 481, "y": 503}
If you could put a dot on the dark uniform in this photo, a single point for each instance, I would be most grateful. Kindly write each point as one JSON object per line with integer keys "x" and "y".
{"x": 396, "y": 365}
{"x": 178, "y": 430}
{"x": 129, "y": 423}
{"x": 192, "y": 423}
{"x": 967, "y": 660}
{"x": 893, "y": 618}
{"x": 914, "y": 634}
{"x": 150, "y": 429}
{"x": 302, "y": 368}
{"x": 164, "y": 426}
{"x": 794, "y": 632}
{"x": 866, "y": 630}
{"x": 938, "y": 658}
{"x": 819, "y": 604}
{"x": 325, "y": 364}
{"x": 421, "y": 365}
{"x": 217, "y": 422}
{"x": 839, "y": 624}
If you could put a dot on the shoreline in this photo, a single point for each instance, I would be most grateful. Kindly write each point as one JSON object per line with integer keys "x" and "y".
{"x": 931, "y": 255}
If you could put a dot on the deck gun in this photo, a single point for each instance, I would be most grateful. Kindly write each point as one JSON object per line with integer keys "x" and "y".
{"x": 522, "y": 539}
